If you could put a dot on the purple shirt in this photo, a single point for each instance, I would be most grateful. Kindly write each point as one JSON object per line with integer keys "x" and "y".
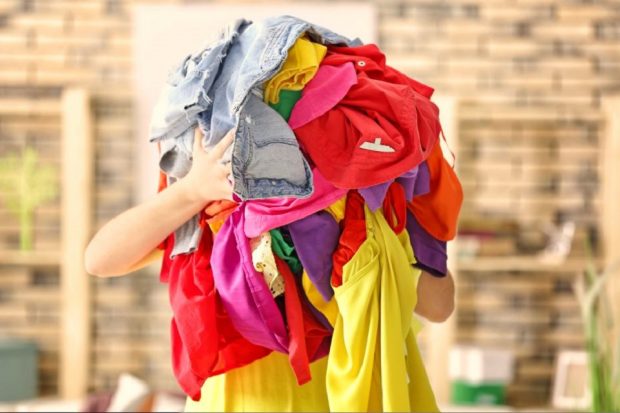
{"x": 415, "y": 182}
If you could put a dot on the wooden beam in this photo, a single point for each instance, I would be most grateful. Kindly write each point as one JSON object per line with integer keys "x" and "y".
{"x": 77, "y": 183}
{"x": 610, "y": 190}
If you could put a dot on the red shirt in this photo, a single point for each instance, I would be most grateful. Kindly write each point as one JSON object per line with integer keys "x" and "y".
{"x": 383, "y": 127}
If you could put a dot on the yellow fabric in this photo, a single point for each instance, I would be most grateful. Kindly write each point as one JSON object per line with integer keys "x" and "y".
{"x": 268, "y": 384}
{"x": 336, "y": 209}
{"x": 374, "y": 362}
{"x": 328, "y": 308}
{"x": 298, "y": 69}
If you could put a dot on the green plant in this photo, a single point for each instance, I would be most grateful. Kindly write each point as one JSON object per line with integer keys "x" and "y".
{"x": 602, "y": 336}
{"x": 26, "y": 184}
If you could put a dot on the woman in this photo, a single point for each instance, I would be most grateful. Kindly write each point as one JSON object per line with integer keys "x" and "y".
{"x": 268, "y": 383}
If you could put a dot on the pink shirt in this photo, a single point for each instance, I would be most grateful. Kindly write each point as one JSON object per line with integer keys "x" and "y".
{"x": 322, "y": 93}
{"x": 265, "y": 214}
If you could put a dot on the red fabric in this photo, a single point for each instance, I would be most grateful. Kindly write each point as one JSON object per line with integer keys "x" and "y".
{"x": 204, "y": 342}
{"x": 438, "y": 210}
{"x": 384, "y": 107}
{"x": 297, "y": 351}
{"x": 374, "y": 66}
{"x": 395, "y": 208}
{"x": 352, "y": 236}
{"x": 308, "y": 338}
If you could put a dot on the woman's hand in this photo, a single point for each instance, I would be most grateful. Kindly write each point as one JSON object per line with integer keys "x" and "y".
{"x": 129, "y": 241}
{"x": 208, "y": 179}
{"x": 435, "y": 297}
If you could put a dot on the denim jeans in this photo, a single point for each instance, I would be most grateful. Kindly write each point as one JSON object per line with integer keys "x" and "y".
{"x": 211, "y": 89}
{"x": 220, "y": 88}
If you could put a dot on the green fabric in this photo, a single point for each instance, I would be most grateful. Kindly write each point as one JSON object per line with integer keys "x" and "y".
{"x": 284, "y": 249}
{"x": 288, "y": 98}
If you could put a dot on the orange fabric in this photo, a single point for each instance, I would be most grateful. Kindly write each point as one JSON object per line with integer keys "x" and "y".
{"x": 438, "y": 211}
{"x": 217, "y": 211}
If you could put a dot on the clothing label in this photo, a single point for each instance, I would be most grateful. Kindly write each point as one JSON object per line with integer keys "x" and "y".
{"x": 376, "y": 146}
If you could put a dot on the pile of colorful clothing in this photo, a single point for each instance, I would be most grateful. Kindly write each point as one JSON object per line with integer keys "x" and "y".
{"x": 342, "y": 197}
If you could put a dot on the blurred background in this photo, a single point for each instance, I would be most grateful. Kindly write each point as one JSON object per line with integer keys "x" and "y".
{"x": 529, "y": 92}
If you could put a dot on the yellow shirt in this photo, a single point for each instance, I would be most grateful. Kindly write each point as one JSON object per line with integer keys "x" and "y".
{"x": 374, "y": 363}
{"x": 266, "y": 385}
{"x": 298, "y": 69}
{"x": 337, "y": 209}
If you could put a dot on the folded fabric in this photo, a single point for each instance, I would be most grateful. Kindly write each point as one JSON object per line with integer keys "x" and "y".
{"x": 430, "y": 253}
{"x": 370, "y": 59}
{"x": 184, "y": 95}
{"x": 322, "y": 93}
{"x": 288, "y": 99}
{"x": 329, "y": 308}
{"x": 300, "y": 66}
{"x": 375, "y": 194}
{"x": 373, "y": 361}
{"x": 243, "y": 291}
{"x": 395, "y": 208}
{"x": 438, "y": 211}
{"x": 337, "y": 209}
{"x": 309, "y": 339}
{"x": 211, "y": 88}
{"x": 266, "y": 160}
{"x": 423, "y": 181}
{"x": 315, "y": 238}
{"x": 283, "y": 247}
{"x": 266, "y": 214}
{"x": 251, "y": 307}
{"x": 352, "y": 235}
{"x": 382, "y": 128}
{"x": 315, "y": 302}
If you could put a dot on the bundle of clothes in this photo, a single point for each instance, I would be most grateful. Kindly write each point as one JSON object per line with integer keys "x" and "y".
{"x": 342, "y": 197}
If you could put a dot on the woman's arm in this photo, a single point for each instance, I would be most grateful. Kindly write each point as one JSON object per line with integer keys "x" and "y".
{"x": 129, "y": 241}
{"x": 435, "y": 297}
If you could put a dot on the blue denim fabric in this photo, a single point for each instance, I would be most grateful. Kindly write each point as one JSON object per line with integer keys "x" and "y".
{"x": 220, "y": 88}
{"x": 211, "y": 88}
{"x": 185, "y": 94}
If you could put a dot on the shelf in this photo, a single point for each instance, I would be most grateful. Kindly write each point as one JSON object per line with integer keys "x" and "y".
{"x": 525, "y": 263}
{"x": 30, "y": 258}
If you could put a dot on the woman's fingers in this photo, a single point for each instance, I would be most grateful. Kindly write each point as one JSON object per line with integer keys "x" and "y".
{"x": 218, "y": 150}
{"x": 198, "y": 140}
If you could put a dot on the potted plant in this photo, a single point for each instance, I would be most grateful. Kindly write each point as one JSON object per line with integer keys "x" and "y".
{"x": 602, "y": 335}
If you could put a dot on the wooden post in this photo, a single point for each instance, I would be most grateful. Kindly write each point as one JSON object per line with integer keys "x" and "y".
{"x": 610, "y": 190}
{"x": 77, "y": 183}
{"x": 441, "y": 337}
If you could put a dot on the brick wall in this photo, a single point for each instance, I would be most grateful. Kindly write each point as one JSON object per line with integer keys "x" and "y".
{"x": 531, "y": 74}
